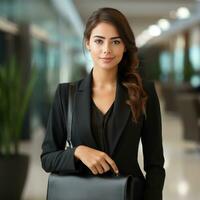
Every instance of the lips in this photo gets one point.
(107, 59)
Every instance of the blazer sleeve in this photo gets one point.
(152, 146)
(54, 157)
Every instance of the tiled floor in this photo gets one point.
(182, 164)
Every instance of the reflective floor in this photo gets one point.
(182, 164)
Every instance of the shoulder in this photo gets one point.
(152, 96)
(64, 86)
(149, 86)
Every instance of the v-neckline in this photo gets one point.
(104, 114)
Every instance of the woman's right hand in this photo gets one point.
(97, 161)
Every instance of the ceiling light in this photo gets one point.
(183, 13)
(143, 38)
(154, 30)
(164, 24)
(183, 188)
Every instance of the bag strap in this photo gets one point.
(71, 95)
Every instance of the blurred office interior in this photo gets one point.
(47, 36)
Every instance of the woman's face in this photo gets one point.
(105, 46)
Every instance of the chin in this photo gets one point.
(108, 67)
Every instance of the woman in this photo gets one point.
(113, 109)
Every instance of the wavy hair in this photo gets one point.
(128, 66)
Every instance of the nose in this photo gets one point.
(106, 49)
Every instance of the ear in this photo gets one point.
(87, 44)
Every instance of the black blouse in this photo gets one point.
(101, 126)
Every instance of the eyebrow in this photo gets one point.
(112, 38)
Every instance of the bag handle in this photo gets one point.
(71, 95)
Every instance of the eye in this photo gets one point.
(116, 42)
(98, 41)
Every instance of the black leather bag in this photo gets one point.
(76, 187)
(80, 187)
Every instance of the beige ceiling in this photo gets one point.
(140, 13)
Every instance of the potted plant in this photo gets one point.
(14, 101)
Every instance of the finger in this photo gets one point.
(112, 164)
(94, 170)
(105, 166)
(99, 169)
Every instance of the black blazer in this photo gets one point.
(126, 136)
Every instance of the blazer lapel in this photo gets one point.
(82, 114)
(121, 114)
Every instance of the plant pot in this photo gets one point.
(13, 173)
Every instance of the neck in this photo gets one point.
(104, 78)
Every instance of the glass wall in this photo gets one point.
(43, 40)
(194, 55)
(165, 60)
(178, 58)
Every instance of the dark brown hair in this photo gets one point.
(128, 66)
